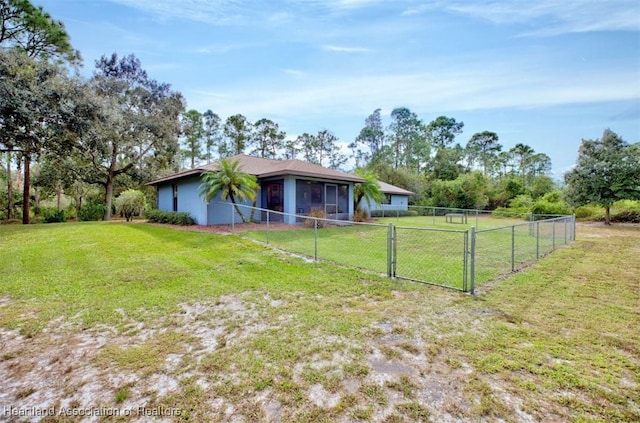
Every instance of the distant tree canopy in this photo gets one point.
(31, 30)
(607, 170)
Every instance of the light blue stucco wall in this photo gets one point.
(188, 198)
(397, 202)
(165, 197)
(219, 212)
(222, 212)
(289, 199)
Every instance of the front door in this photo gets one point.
(331, 200)
(275, 200)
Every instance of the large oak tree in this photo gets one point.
(140, 126)
(607, 170)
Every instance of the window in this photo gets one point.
(175, 198)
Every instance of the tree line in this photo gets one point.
(61, 134)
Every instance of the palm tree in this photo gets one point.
(231, 182)
(369, 189)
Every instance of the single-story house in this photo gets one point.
(292, 187)
(395, 198)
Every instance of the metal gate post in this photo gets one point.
(473, 259)
(553, 235)
(233, 218)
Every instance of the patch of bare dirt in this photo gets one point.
(63, 368)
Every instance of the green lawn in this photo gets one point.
(220, 328)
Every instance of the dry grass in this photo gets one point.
(297, 341)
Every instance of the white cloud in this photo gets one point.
(480, 87)
(556, 17)
(219, 12)
(344, 49)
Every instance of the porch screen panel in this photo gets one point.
(331, 202)
(343, 199)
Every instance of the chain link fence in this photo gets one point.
(460, 259)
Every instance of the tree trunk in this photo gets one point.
(58, 195)
(233, 200)
(108, 197)
(9, 188)
(25, 191)
(607, 215)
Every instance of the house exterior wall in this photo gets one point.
(289, 199)
(222, 212)
(189, 200)
(165, 197)
(397, 202)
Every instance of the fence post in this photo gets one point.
(530, 224)
(315, 239)
(389, 249)
(513, 248)
(267, 227)
(394, 244)
(233, 218)
(553, 235)
(476, 218)
(473, 260)
(573, 233)
(434, 216)
(465, 261)
(537, 240)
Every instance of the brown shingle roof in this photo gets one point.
(392, 189)
(263, 168)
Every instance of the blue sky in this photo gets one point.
(546, 73)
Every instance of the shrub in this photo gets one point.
(360, 215)
(521, 202)
(519, 213)
(130, 202)
(548, 207)
(315, 214)
(91, 211)
(393, 213)
(589, 212)
(625, 211)
(53, 215)
(172, 218)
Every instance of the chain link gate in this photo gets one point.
(433, 256)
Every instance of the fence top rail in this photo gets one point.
(461, 231)
(336, 222)
(555, 219)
